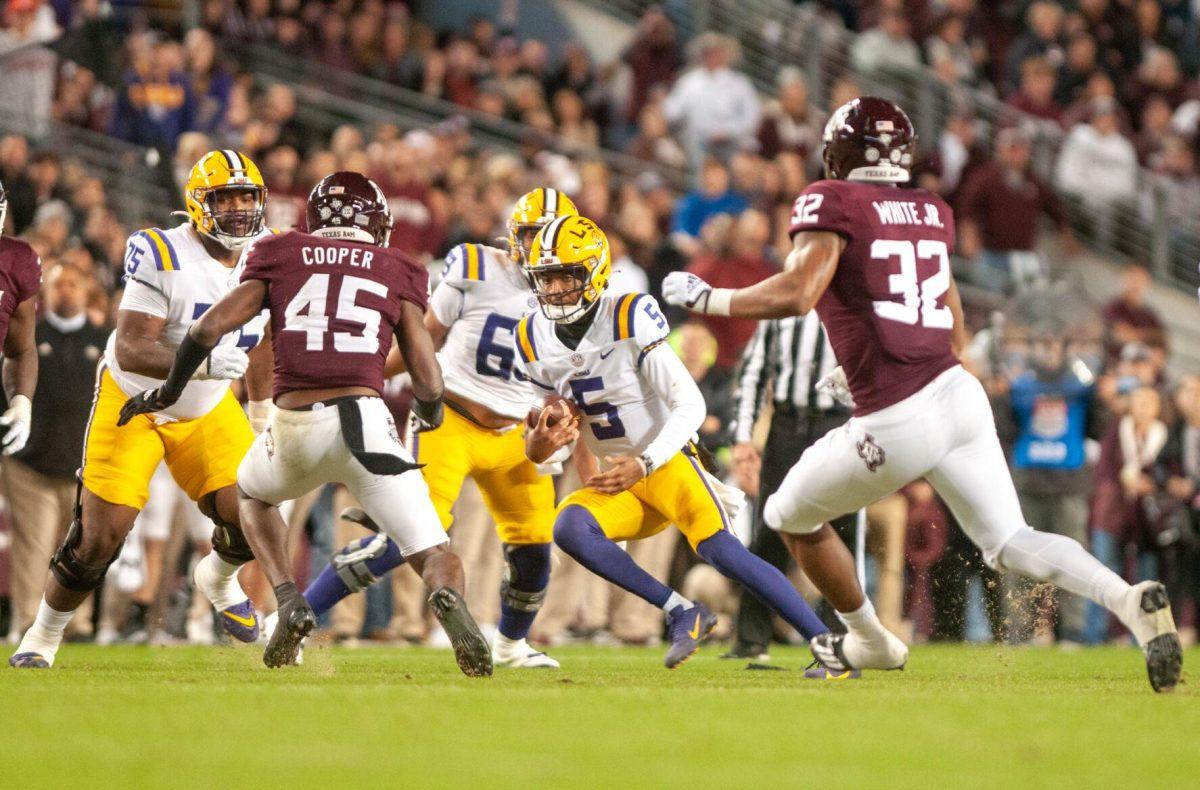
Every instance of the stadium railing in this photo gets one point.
(778, 33)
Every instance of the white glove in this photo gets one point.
(690, 291)
(15, 425)
(259, 412)
(223, 364)
(835, 385)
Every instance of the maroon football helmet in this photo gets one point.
(869, 139)
(348, 205)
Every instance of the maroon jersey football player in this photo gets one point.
(337, 296)
(20, 278)
(872, 257)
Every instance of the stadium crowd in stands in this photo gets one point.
(1116, 79)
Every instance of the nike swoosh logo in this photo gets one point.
(249, 622)
(695, 632)
(606, 355)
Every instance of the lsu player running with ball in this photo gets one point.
(607, 354)
(172, 277)
(471, 317)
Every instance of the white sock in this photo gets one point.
(863, 621)
(676, 600)
(46, 633)
(218, 581)
(503, 641)
(1047, 557)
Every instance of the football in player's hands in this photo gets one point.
(559, 408)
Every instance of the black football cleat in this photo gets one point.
(28, 661)
(296, 621)
(471, 650)
(1164, 652)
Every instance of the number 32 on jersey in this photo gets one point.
(920, 297)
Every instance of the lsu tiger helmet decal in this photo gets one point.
(568, 267)
(531, 213)
(222, 172)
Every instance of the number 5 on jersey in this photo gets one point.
(308, 313)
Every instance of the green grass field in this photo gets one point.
(959, 716)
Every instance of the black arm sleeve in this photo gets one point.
(188, 359)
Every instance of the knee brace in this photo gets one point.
(228, 541)
(526, 575)
(71, 571)
(363, 561)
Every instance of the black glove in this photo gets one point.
(145, 403)
(428, 413)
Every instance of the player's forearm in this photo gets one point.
(260, 373)
(670, 380)
(20, 373)
(144, 356)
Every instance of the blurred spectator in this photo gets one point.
(653, 58)
(1129, 449)
(733, 256)
(697, 348)
(950, 53)
(627, 275)
(959, 154)
(998, 211)
(29, 70)
(1036, 94)
(654, 142)
(787, 123)
(155, 105)
(1154, 129)
(211, 83)
(1128, 318)
(925, 538)
(39, 482)
(1177, 477)
(19, 188)
(1097, 164)
(887, 47)
(714, 106)
(713, 196)
(1081, 63)
(1041, 40)
(1050, 416)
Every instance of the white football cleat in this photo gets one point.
(844, 652)
(519, 654)
(268, 627)
(1146, 612)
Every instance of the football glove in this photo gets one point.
(15, 425)
(145, 403)
(686, 290)
(223, 364)
(427, 414)
(835, 385)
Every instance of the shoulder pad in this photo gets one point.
(466, 262)
(155, 243)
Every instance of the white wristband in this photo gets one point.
(719, 300)
(22, 406)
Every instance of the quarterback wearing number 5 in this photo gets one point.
(642, 409)
(872, 257)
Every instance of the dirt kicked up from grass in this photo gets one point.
(958, 716)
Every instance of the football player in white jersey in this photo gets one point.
(472, 314)
(171, 277)
(607, 355)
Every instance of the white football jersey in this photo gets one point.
(169, 274)
(623, 414)
(481, 298)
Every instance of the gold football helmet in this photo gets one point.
(568, 267)
(218, 171)
(534, 210)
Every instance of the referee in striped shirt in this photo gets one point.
(785, 359)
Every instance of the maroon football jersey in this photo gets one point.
(20, 278)
(334, 305)
(885, 309)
